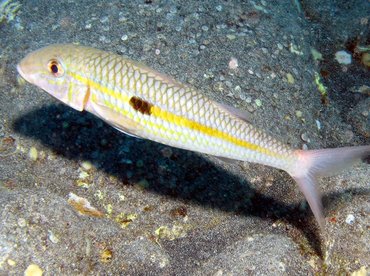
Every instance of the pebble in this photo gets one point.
(228, 83)
(173, 10)
(258, 102)
(218, 86)
(11, 262)
(350, 219)
(192, 41)
(53, 238)
(251, 109)
(348, 135)
(86, 165)
(343, 57)
(33, 270)
(33, 154)
(21, 222)
(238, 90)
(282, 266)
(104, 39)
(290, 78)
(305, 137)
(219, 272)
(250, 71)
(231, 36)
(122, 18)
(104, 19)
(242, 96)
(219, 8)
(298, 113)
(106, 256)
(316, 54)
(233, 63)
(83, 175)
(366, 59)
(124, 37)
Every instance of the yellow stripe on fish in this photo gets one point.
(145, 103)
(172, 118)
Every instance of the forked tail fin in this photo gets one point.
(315, 163)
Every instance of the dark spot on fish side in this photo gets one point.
(141, 105)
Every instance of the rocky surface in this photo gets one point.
(78, 197)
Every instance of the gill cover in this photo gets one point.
(54, 69)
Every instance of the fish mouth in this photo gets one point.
(26, 76)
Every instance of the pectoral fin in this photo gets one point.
(115, 119)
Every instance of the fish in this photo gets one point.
(141, 102)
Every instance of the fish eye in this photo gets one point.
(55, 68)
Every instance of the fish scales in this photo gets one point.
(142, 102)
(180, 116)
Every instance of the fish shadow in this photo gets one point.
(171, 172)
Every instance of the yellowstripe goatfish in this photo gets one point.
(144, 103)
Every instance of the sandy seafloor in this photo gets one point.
(164, 211)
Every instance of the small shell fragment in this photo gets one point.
(83, 206)
(343, 57)
(233, 63)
